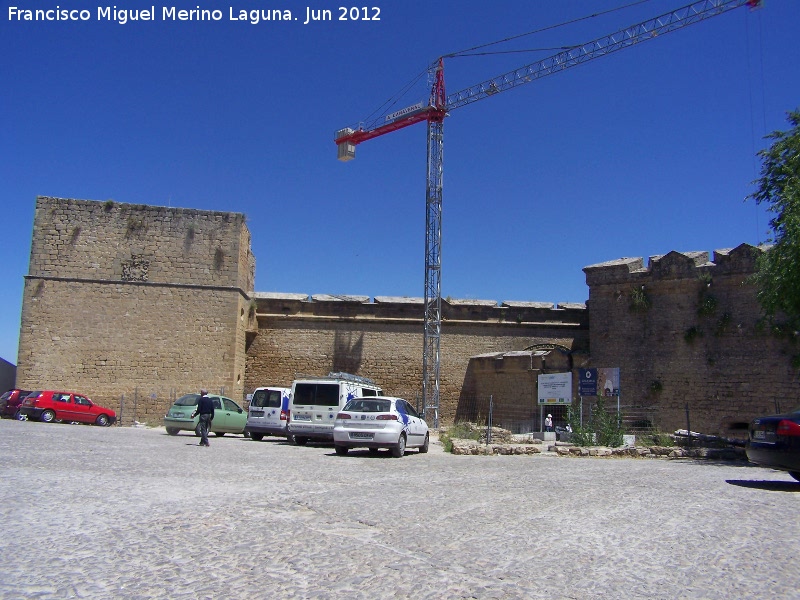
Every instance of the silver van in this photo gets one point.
(268, 413)
(315, 402)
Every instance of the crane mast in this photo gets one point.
(438, 107)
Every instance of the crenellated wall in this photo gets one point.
(686, 332)
(152, 302)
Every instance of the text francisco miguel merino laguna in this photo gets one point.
(172, 13)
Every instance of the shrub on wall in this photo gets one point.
(639, 300)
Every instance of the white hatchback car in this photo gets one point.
(380, 422)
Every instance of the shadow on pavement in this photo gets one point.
(772, 486)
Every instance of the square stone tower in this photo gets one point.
(134, 305)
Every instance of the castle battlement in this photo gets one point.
(408, 307)
(674, 265)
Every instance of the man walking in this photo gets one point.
(205, 408)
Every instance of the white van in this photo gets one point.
(268, 413)
(315, 402)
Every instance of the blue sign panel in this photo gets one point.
(587, 382)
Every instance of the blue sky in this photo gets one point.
(638, 153)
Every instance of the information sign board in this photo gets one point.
(555, 388)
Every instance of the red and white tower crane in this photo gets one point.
(440, 105)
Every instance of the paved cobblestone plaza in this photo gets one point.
(89, 512)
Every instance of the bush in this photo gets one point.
(603, 429)
(656, 438)
(459, 431)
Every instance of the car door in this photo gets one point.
(219, 423)
(63, 406)
(272, 409)
(83, 409)
(416, 426)
(235, 417)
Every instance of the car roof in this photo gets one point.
(394, 398)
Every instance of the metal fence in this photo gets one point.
(521, 417)
(149, 406)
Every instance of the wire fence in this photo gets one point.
(527, 416)
(150, 406)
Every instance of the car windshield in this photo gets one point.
(187, 400)
(363, 405)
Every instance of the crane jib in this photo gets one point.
(625, 38)
(603, 46)
(356, 136)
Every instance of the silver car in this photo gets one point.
(380, 422)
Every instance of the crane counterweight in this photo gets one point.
(345, 149)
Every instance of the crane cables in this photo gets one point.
(380, 113)
(471, 51)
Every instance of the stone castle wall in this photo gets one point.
(136, 301)
(148, 303)
(382, 339)
(687, 331)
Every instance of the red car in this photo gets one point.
(10, 401)
(49, 406)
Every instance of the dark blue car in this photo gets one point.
(774, 441)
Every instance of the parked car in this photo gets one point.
(268, 413)
(49, 406)
(774, 441)
(229, 417)
(10, 401)
(380, 422)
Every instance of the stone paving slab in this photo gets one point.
(89, 512)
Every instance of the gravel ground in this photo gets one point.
(89, 512)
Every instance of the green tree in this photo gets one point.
(778, 270)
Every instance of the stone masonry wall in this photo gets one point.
(382, 340)
(687, 331)
(112, 241)
(510, 381)
(141, 301)
(148, 303)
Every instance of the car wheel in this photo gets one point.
(19, 416)
(172, 431)
(795, 474)
(102, 420)
(219, 433)
(300, 441)
(424, 448)
(48, 416)
(256, 437)
(400, 448)
(341, 450)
